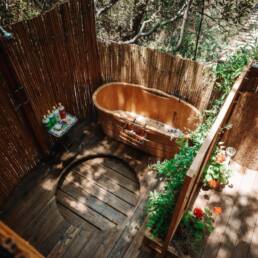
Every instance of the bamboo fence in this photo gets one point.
(184, 78)
(18, 154)
(57, 58)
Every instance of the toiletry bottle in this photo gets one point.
(56, 113)
(62, 111)
(52, 118)
(46, 122)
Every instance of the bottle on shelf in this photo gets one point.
(52, 118)
(46, 122)
(55, 111)
(62, 111)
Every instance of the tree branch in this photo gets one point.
(199, 30)
(217, 20)
(143, 33)
(100, 11)
(182, 31)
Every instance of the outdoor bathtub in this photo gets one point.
(145, 118)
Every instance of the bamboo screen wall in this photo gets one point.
(184, 78)
(18, 154)
(55, 56)
(57, 59)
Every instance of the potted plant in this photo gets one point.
(217, 174)
(195, 226)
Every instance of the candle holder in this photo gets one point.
(230, 153)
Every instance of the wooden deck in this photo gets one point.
(236, 230)
(87, 202)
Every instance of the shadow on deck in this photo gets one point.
(88, 201)
(236, 230)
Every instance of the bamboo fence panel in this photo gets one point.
(174, 75)
(56, 60)
(55, 57)
(18, 154)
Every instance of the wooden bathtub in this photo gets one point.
(148, 119)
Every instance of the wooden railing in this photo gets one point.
(194, 174)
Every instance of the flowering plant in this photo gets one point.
(220, 157)
(217, 210)
(193, 229)
(198, 213)
(216, 174)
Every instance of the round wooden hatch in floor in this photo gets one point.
(101, 192)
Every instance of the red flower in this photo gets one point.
(198, 213)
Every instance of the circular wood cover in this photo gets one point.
(100, 192)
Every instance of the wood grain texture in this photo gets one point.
(94, 202)
(119, 104)
(65, 216)
(235, 228)
(26, 249)
(65, 227)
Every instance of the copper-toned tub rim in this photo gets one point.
(152, 91)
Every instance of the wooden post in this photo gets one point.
(20, 97)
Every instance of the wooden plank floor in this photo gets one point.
(236, 229)
(87, 202)
(83, 193)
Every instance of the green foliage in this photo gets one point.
(218, 172)
(210, 46)
(228, 72)
(233, 11)
(18, 10)
(192, 231)
(216, 169)
(161, 204)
